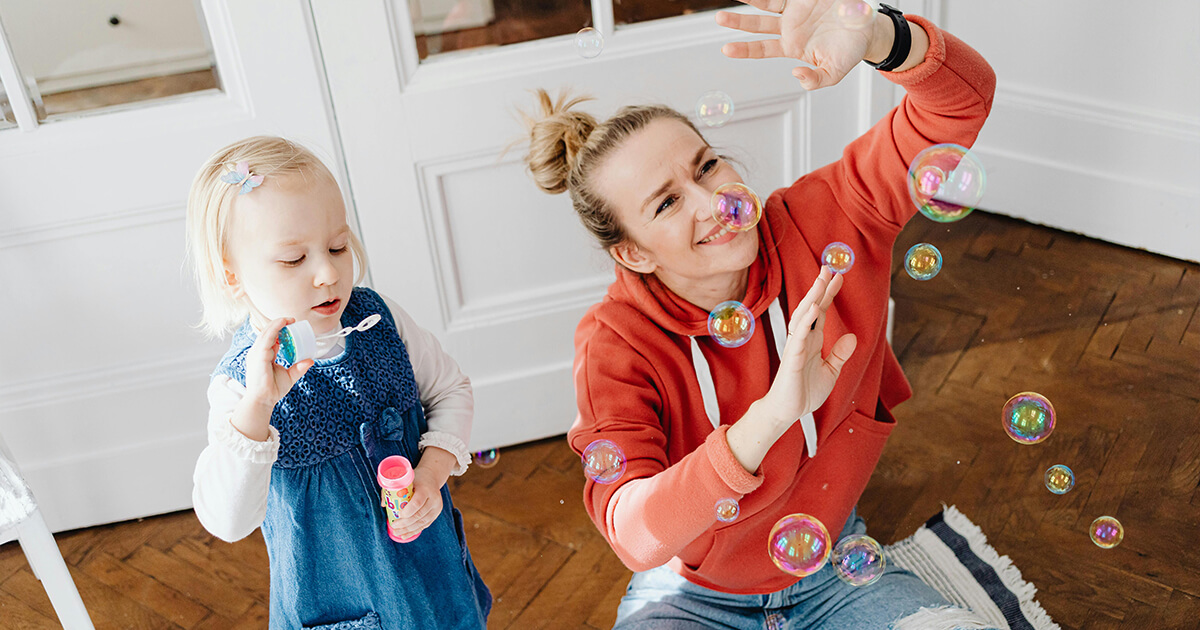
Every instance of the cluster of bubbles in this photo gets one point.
(923, 261)
(731, 324)
(589, 42)
(799, 544)
(838, 256)
(486, 459)
(1059, 479)
(858, 560)
(603, 461)
(714, 108)
(1028, 417)
(736, 207)
(728, 510)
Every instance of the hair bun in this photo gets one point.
(556, 135)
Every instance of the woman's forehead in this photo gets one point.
(648, 157)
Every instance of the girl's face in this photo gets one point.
(660, 183)
(289, 251)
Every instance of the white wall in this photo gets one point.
(1096, 123)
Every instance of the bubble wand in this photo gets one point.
(298, 342)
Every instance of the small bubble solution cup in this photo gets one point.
(395, 475)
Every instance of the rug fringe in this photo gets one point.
(1009, 574)
(942, 618)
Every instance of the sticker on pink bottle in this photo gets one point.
(395, 475)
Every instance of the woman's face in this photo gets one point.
(660, 183)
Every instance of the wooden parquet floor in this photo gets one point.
(1110, 335)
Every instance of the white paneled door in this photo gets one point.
(102, 379)
(457, 232)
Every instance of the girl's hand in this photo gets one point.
(266, 381)
(426, 504)
(808, 30)
(805, 379)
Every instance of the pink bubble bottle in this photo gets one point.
(395, 475)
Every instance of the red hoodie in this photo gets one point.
(637, 386)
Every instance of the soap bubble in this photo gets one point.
(714, 108)
(1028, 417)
(798, 544)
(603, 461)
(731, 324)
(589, 42)
(486, 459)
(946, 181)
(1106, 532)
(858, 560)
(728, 510)
(838, 256)
(735, 207)
(854, 14)
(923, 261)
(1060, 479)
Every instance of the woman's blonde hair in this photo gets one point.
(211, 205)
(566, 146)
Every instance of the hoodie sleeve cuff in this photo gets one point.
(934, 57)
(727, 466)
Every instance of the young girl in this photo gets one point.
(795, 419)
(294, 448)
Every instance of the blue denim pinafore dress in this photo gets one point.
(333, 566)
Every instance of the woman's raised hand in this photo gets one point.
(805, 379)
(808, 30)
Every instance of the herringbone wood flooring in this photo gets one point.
(1110, 335)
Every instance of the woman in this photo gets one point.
(795, 419)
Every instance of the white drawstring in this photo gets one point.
(708, 390)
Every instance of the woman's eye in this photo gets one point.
(708, 166)
(665, 205)
(293, 263)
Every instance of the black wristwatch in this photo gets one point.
(901, 45)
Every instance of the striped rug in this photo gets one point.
(951, 554)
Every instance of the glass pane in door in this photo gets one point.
(81, 56)
(633, 11)
(444, 26)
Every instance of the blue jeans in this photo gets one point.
(661, 599)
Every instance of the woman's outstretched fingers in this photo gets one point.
(762, 24)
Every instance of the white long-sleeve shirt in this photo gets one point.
(233, 473)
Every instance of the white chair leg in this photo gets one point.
(891, 319)
(47, 563)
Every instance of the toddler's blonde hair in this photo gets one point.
(211, 203)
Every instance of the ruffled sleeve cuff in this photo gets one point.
(727, 466)
(450, 443)
(223, 434)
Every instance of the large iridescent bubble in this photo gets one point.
(858, 560)
(946, 182)
(731, 324)
(486, 459)
(736, 207)
(603, 461)
(1028, 417)
(589, 42)
(799, 544)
